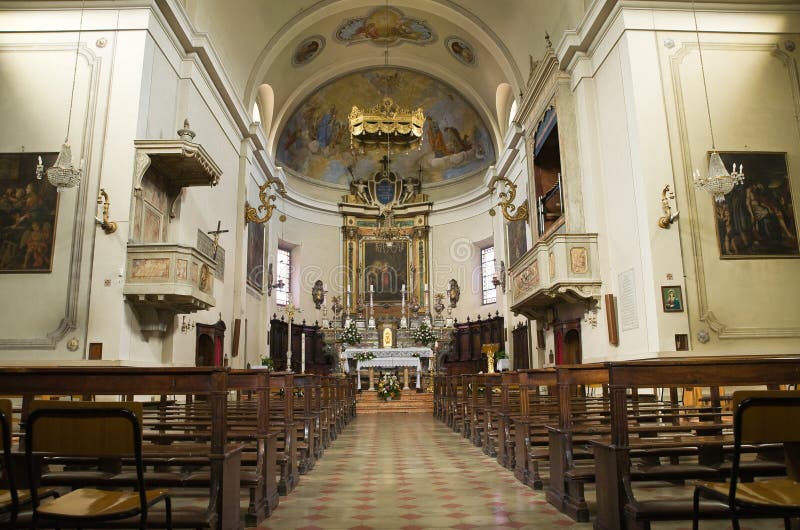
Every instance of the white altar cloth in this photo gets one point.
(351, 352)
(387, 362)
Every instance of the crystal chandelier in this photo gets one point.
(385, 121)
(719, 181)
(64, 174)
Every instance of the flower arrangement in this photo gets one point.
(388, 387)
(364, 356)
(424, 335)
(351, 335)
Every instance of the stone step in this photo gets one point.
(410, 401)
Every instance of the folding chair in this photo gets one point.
(761, 417)
(84, 431)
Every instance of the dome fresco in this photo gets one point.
(315, 141)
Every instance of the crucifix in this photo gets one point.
(215, 243)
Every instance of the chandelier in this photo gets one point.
(386, 121)
(388, 234)
(718, 182)
(64, 174)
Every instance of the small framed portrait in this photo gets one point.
(672, 298)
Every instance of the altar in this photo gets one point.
(387, 358)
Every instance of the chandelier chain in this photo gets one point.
(703, 73)
(75, 70)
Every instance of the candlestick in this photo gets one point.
(303, 353)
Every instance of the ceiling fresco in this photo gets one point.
(315, 141)
(462, 51)
(307, 50)
(384, 27)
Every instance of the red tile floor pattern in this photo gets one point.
(411, 472)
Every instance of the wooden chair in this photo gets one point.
(85, 430)
(761, 417)
(9, 499)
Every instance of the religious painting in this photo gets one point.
(672, 298)
(461, 51)
(28, 213)
(517, 240)
(307, 50)
(255, 255)
(384, 26)
(315, 140)
(386, 269)
(757, 218)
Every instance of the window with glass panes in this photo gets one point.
(487, 275)
(284, 273)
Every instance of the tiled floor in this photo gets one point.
(409, 471)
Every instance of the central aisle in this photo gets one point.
(392, 471)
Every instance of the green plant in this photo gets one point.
(266, 360)
(500, 355)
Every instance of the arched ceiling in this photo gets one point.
(470, 45)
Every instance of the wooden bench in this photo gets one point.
(223, 460)
(707, 442)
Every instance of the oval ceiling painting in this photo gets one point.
(315, 141)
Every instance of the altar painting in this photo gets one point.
(28, 212)
(315, 140)
(386, 271)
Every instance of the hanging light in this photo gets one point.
(64, 174)
(369, 127)
(718, 181)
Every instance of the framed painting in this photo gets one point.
(517, 240)
(386, 269)
(757, 218)
(255, 256)
(28, 213)
(672, 298)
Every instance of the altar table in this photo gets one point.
(389, 358)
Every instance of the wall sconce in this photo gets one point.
(500, 278)
(187, 324)
(506, 200)
(109, 227)
(668, 218)
(267, 202)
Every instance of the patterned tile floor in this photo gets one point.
(410, 471)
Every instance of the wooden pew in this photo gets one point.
(565, 489)
(617, 504)
(533, 416)
(223, 459)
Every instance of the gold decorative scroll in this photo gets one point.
(267, 202)
(372, 125)
(506, 200)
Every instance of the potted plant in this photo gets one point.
(266, 362)
(503, 362)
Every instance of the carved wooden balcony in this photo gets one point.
(562, 268)
(164, 279)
